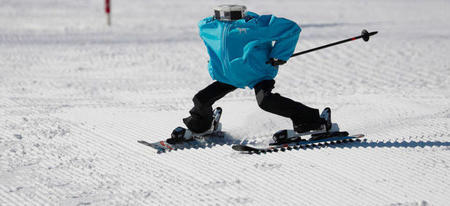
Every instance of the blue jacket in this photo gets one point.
(238, 50)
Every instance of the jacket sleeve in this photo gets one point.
(285, 33)
(208, 30)
(202, 23)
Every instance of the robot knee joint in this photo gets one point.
(198, 101)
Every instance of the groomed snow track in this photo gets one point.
(76, 95)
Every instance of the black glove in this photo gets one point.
(275, 62)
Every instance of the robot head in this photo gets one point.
(229, 12)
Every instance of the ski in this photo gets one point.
(216, 136)
(196, 142)
(317, 139)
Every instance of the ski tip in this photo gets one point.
(144, 142)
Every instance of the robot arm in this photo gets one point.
(285, 33)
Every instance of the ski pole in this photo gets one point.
(365, 35)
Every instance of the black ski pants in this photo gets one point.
(201, 114)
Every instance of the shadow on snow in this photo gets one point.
(363, 143)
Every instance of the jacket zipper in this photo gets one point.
(225, 61)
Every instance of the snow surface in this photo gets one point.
(76, 95)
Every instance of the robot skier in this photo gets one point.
(239, 45)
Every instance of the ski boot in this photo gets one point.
(323, 125)
(181, 134)
(217, 113)
(326, 115)
(326, 128)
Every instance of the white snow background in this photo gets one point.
(76, 95)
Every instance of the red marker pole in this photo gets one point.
(108, 11)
